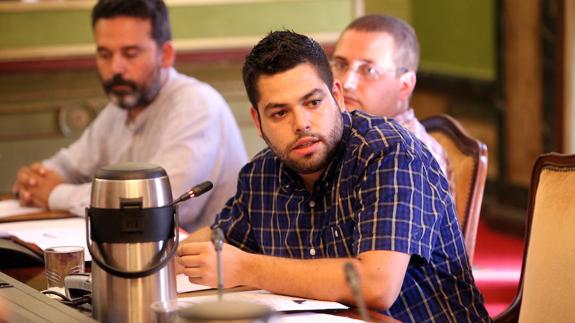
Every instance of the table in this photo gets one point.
(20, 303)
(44, 215)
(34, 276)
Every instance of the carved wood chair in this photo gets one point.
(546, 290)
(467, 158)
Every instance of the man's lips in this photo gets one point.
(306, 145)
(122, 88)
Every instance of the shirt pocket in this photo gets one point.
(338, 241)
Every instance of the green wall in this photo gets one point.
(55, 24)
(457, 38)
(42, 28)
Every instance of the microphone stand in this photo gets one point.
(220, 310)
(353, 280)
(218, 242)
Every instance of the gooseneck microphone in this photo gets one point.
(194, 192)
(218, 241)
(353, 280)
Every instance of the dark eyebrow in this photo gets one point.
(311, 93)
(274, 105)
(303, 98)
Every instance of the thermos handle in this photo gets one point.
(141, 273)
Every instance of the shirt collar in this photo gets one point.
(405, 117)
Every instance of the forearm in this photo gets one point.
(381, 272)
(318, 279)
(323, 279)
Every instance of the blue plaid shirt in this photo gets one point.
(383, 190)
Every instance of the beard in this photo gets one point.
(136, 95)
(314, 162)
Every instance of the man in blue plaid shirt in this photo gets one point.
(336, 187)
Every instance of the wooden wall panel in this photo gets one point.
(523, 88)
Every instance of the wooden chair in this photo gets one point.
(546, 290)
(467, 158)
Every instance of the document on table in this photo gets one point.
(184, 285)
(12, 208)
(50, 233)
(280, 303)
(316, 318)
(53, 232)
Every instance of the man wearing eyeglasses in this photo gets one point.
(375, 59)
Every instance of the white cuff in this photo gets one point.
(70, 197)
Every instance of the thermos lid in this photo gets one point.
(127, 171)
(117, 184)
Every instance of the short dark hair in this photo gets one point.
(278, 52)
(407, 47)
(155, 10)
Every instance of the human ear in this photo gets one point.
(408, 80)
(256, 119)
(337, 93)
(168, 54)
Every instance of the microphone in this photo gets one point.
(194, 192)
(353, 281)
(218, 242)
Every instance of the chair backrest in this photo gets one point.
(467, 159)
(546, 290)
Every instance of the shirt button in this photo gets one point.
(336, 234)
(311, 203)
(312, 251)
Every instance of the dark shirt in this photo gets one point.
(383, 190)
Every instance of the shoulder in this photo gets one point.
(192, 92)
(197, 100)
(265, 160)
(384, 141)
(379, 134)
(264, 165)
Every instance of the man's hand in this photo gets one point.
(199, 262)
(34, 184)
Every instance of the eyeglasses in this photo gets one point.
(364, 70)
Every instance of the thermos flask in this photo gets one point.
(132, 233)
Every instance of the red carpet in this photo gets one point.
(497, 267)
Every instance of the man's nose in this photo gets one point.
(302, 122)
(118, 64)
(349, 79)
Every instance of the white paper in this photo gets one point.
(316, 318)
(12, 208)
(51, 233)
(183, 285)
(279, 303)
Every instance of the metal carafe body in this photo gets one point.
(132, 236)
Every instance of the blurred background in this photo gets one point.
(502, 68)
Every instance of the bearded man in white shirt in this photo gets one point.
(155, 115)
